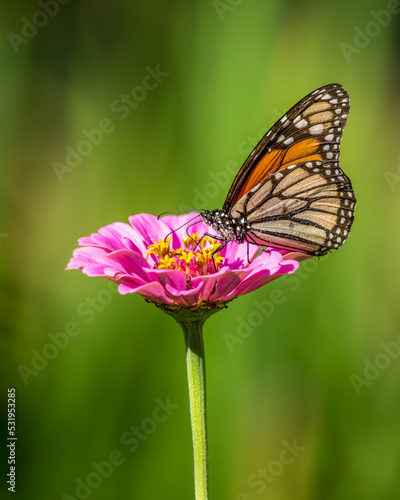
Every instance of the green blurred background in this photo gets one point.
(306, 372)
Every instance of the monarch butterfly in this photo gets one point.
(290, 193)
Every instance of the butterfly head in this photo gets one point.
(229, 228)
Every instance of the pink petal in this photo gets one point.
(151, 291)
(227, 282)
(238, 256)
(175, 278)
(130, 263)
(175, 221)
(298, 256)
(185, 298)
(149, 227)
(259, 278)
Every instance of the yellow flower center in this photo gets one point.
(196, 257)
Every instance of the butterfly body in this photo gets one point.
(291, 193)
(228, 227)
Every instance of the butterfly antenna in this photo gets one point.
(184, 224)
(189, 236)
(180, 212)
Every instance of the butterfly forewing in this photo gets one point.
(310, 131)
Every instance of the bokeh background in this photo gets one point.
(320, 371)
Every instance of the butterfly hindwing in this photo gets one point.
(310, 131)
(307, 206)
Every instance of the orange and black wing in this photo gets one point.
(310, 131)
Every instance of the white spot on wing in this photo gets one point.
(302, 123)
(316, 129)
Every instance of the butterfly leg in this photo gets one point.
(218, 250)
(248, 253)
(263, 249)
(215, 237)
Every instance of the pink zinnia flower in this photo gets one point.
(190, 277)
(160, 261)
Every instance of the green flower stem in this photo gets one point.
(196, 369)
(191, 322)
